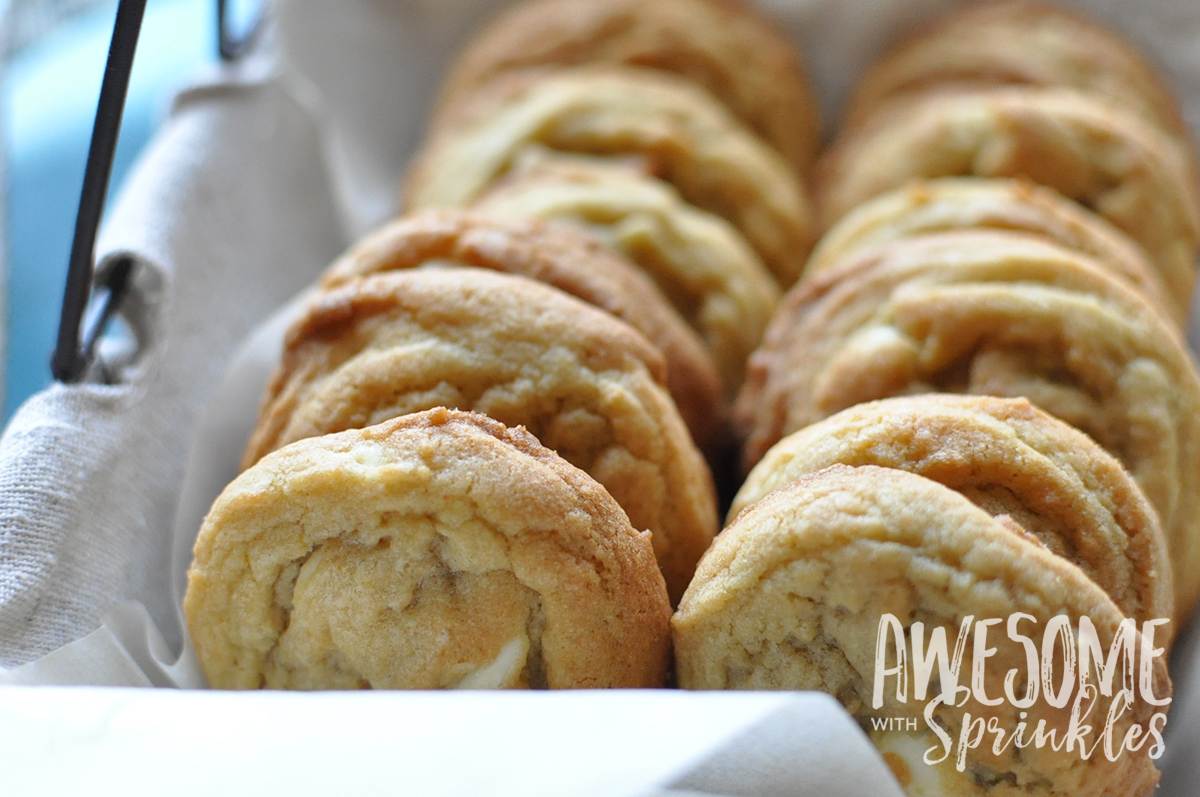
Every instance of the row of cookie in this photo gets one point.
(377, 539)
(365, 527)
(678, 132)
(531, 324)
(972, 284)
(560, 111)
(936, 510)
(993, 313)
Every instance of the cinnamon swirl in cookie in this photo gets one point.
(999, 314)
(586, 384)
(804, 587)
(720, 46)
(437, 550)
(1105, 158)
(569, 261)
(698, 260)
(1048, 481)
(678, 130)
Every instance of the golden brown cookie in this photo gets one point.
(569, 261)
(437, 550)
(958, 203)
(682, 133)
(1105, 158)
(793, 595)
(700, 262)
(999, 314)
(725, 47)
(1024, 43)
(583, 382)
(1046, 480)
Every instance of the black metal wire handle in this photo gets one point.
(74, 353)
(229, 44)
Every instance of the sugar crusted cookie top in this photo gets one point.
(435, 550)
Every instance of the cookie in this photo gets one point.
(1016, 42)
(794, 593)
(438, 550)
(681, 133)
(569, 261)
(698, 260)
(584, 383)
(992, 313)
(1048, 481)
(723, 47)
(1102, 157)
(959, 203)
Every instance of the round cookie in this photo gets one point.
(569, 261)
(793, 595)
(1048, 481)
(1105, 158)
(586, 384)
(1023, 43)
(682, 134)
(999, 314)
(699, 261)
(960, 203)
(437, 550)
(723, 47)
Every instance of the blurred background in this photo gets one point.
(53, 60)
